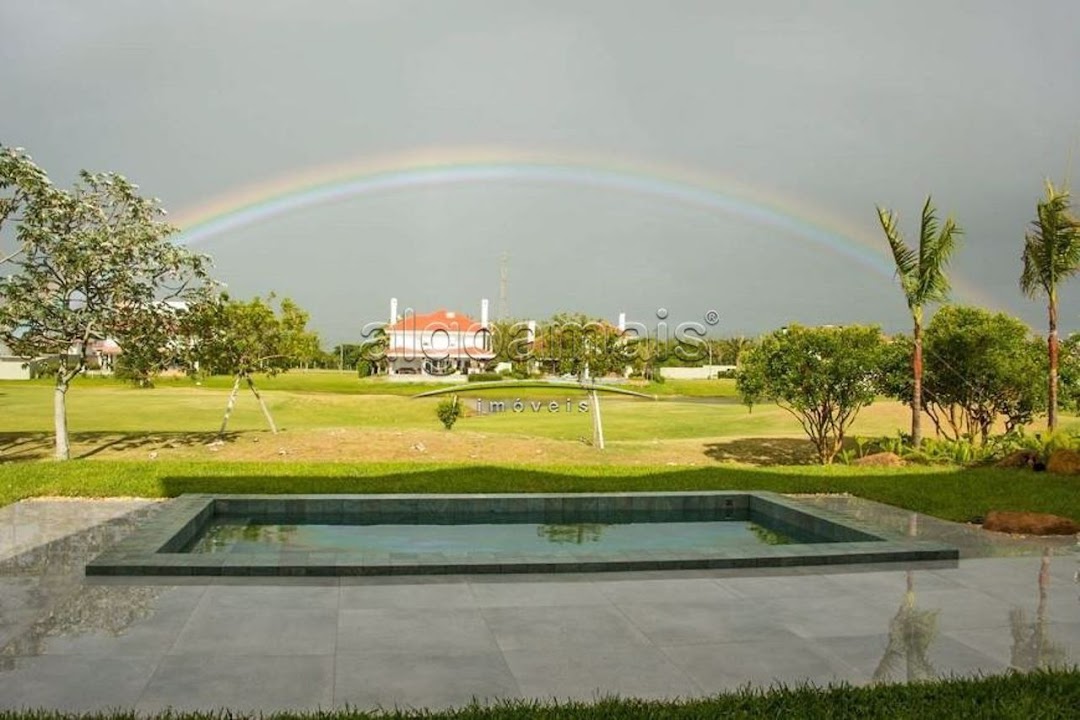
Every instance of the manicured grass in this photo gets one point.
(1035, 696)
(951, 494)
(96, 405)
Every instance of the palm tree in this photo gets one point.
(1051, 254)
(923, 280)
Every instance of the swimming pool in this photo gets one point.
(332, 535)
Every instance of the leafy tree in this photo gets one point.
(734, 347)
(93, 263)
(570, 343)
(1069, 372)
(822, 376)
(1051, 255)
(980, 367)
(232, 337)
(922, 278)
(24, 187)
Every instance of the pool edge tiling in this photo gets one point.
(156, 548)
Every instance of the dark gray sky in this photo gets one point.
(814, 110)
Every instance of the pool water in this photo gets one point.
(240, 535)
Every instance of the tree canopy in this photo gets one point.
(823, 376)
(91, 264)
(980, 367)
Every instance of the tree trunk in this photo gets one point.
(266, 410)
(1052, 346)
(916, 395)
(229, 406)
(63, 446)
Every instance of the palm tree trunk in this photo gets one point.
(1052, 346)
(916, 394)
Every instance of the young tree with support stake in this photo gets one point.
(92, 263)
(923, 280)
(1051, 255)
(231, 337)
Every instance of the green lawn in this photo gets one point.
(948, 493)
(96, 405)
(633, 426)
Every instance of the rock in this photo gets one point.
(1064, 462)
(881, 459)
(1029, 523)
(1019, 459)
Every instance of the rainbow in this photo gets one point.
(365, 177)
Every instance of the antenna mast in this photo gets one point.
(504, 280)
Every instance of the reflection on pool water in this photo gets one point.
(240, 535)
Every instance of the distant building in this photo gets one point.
(444, 342)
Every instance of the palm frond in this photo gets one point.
(936, 254)
(1052, 245)
(907, 264)
(928, 230)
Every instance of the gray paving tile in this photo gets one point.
(962, 609)
(891, 582)
(419, 630)
(502, 593)
(668, 590)
(591, 672)
(678, 623)
(417, 595)
(946, 656)
(248, 684)
(1062, 646)
(272, 596)
(816, 617)
(387, 679)
(72, 684)
(716, 667)
(257, 631)
(568, 627)
(801, 585)
(133, 620)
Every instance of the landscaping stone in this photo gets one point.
(1029, 523)
(1064, 462)
(881, 459)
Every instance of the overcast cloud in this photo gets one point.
(828, 107)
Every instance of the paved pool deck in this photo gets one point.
(73, 643)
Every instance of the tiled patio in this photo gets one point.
(76, 644)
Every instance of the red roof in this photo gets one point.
(476, 353)
(447, 320)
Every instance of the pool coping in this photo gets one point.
(154, 548)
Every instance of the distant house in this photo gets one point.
(13, 367)
(444, 342)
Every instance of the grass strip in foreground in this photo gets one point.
(1042, 695)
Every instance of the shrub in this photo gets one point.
(449, 411)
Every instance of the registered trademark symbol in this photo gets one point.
(712, 317)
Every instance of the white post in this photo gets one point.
(598, 425)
